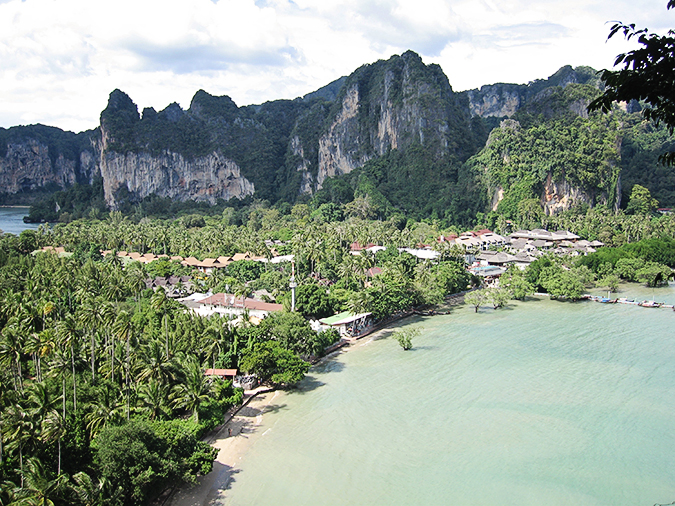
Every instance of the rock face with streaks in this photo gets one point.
(393, 105)
(205, 178)
(286, 148)
(37, 157)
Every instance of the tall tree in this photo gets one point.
(648, 75)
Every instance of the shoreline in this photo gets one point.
(245, 422)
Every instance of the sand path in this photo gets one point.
(211, 489)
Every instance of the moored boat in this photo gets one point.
(650, 303)
(624, 300)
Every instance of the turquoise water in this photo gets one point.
(11, 220)
(542, 403)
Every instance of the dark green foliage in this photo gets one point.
(651, 250)
(271, 362)
(580, 151)
(142, 457)
(78, 201)
(642, 144)
(648, 75)
(310, 301)
(245, 270)
(294, 333)
(164, 267)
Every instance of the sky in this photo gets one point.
(60, 59)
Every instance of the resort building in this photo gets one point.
(228, 304)
(349, 324)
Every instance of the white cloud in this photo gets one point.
(60, 60)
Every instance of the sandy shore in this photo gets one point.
(211, 489)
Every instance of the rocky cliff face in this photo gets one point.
(282, 149)
(393, 105)
(559, 196)
(496, 100)
(206, 178)
(27, 166)
(504, 100)
(36, 157)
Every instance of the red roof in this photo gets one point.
(229, 300)
(221, 372)
(484, 231)
(357, 247)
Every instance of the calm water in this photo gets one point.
(545, 403)
(11, 220)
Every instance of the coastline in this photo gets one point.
(245, 424)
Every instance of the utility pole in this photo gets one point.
(292, 285)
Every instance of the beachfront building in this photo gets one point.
(349, 324)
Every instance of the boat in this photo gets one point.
(606, 300)
(624, 300)
(650, 303)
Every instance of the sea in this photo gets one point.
(11, 220)
(539, 403)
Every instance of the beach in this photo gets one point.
(244, 427)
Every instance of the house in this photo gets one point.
(228, 304)
(349, 324)
(221, 373)
(495, 258)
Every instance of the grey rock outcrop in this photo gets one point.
(171, 175)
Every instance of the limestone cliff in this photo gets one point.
(561, 196)
(504, 100)
(393, 105)
(37, 157)
(206, 178)
(400, 116)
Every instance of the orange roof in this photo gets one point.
(220, 372)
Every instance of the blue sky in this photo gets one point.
(59, 59)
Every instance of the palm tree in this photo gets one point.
(155, 365)
(124, 329)
(11, 348)
(94, 494)
(60, 366)
(68, 331)
(106, 410)
(160, 302)
(152, 396)
(18, 429)
(194, 389)
(38, 487)
(92, 316)
(53, 428)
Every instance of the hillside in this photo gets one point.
(393, 133)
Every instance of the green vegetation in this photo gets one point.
(102, 385)
(404, 337)
(647, 75)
